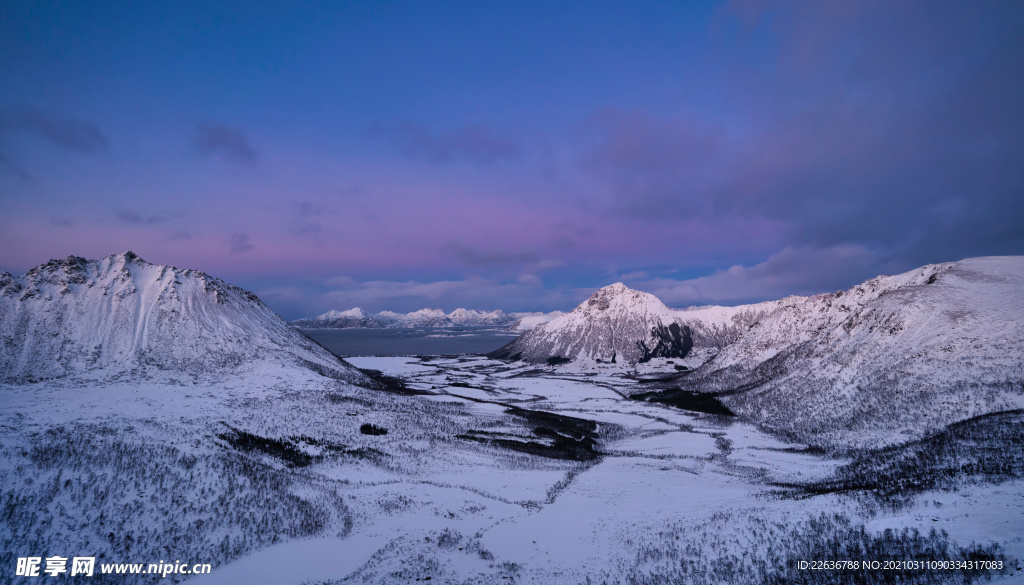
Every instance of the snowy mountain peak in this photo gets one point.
(122, 315)
(332, 315)
(618, 297)
(616, 323)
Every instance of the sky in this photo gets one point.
(513, 155)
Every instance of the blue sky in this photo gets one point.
(396, 155)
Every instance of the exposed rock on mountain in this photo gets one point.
(122, 315)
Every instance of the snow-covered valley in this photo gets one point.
(462, 488)
(294, 466)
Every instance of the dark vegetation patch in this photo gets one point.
(806, 450)
(773, 549)
(284, 450)
(657, 379)
(562, 448)
(557, 359)
(76, 487)
(836, 538)
(333, 373)
(706, 402)
(984, 449)
(571, 438)
(369, 429)
(570, 426)
(288, 449)
(465, 385)
(367, 453)
(531, 373)
(392, 384)
(339, 398)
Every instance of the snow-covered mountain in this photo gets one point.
(421, 318)
(884, 361)
(631, 326)
(616, 324)
(357, 318)
(350, 318)
(124, 315)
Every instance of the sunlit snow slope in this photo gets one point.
(124, 315)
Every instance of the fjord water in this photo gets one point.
(410, 341)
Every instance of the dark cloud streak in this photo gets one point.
(239, 243)
(229, 142)
(306, 215)
(135, 218)
(72, 134)
(477, 257)
(478, 144)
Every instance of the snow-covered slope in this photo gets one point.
(532, 320)
(357, 318)
(885, 361)
(715, 327)
(124, 315)
(615, 324)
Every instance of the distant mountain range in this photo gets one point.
(122, 316)
(357, 318)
